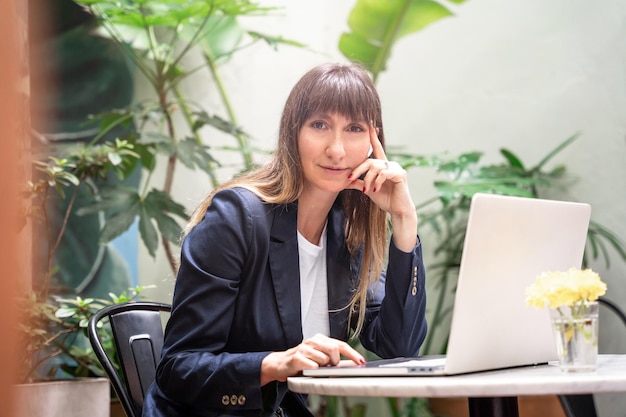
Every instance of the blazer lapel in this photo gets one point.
(285, 269)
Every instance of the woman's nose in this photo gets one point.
(335, 147)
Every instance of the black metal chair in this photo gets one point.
(583, 405)
(137, 330)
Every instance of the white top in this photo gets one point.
(313, 289)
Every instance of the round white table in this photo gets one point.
(491, 393)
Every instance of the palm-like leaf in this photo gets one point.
(375, 26)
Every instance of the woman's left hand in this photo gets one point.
(385, 183)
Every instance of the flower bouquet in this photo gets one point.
(572, 297)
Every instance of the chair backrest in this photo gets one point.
(137, 329)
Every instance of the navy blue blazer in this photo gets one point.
(237, 298)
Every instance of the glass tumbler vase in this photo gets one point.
(576, 336)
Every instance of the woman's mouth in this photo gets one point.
(334, 170)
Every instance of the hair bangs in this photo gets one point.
(345, 93)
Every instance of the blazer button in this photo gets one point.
(241, 400)
(225, 400)
(233, 399)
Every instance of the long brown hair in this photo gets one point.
(348, 90)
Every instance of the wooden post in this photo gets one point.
(15, 245)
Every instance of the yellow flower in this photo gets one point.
(565, 288)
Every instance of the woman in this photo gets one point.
(280, 265)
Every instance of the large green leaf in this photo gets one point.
(194, 155)
(120, 222)
(556, 151)
(375, 26)
(148, 232)
(512, 158)
(112, 199)
(157, 207)
(162, 201)
(596, 244)
(122, 204)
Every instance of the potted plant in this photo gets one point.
(57, 362)
(56, 358)
(55, 339)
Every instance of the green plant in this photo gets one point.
(54, 333)
(72, 173)
(54, 319)
(446, 215)
(375, 26)
(161, 38)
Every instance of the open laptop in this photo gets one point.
(508, 242)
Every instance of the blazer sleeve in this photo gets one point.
(395, 324)
(196, 372)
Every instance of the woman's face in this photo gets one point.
(331, 146)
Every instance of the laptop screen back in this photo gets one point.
(508, 242)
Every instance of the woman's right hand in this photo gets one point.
(314, 352)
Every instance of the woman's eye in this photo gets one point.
(356, 128)
(317, 125)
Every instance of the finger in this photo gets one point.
(334, 348)
(369, 180)
(305, 362)
(379, 151)
(315, 353)
(350, 353)
(324, 350)
(378, 183)
(381, 171)
(358, 177)
(348, 362)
